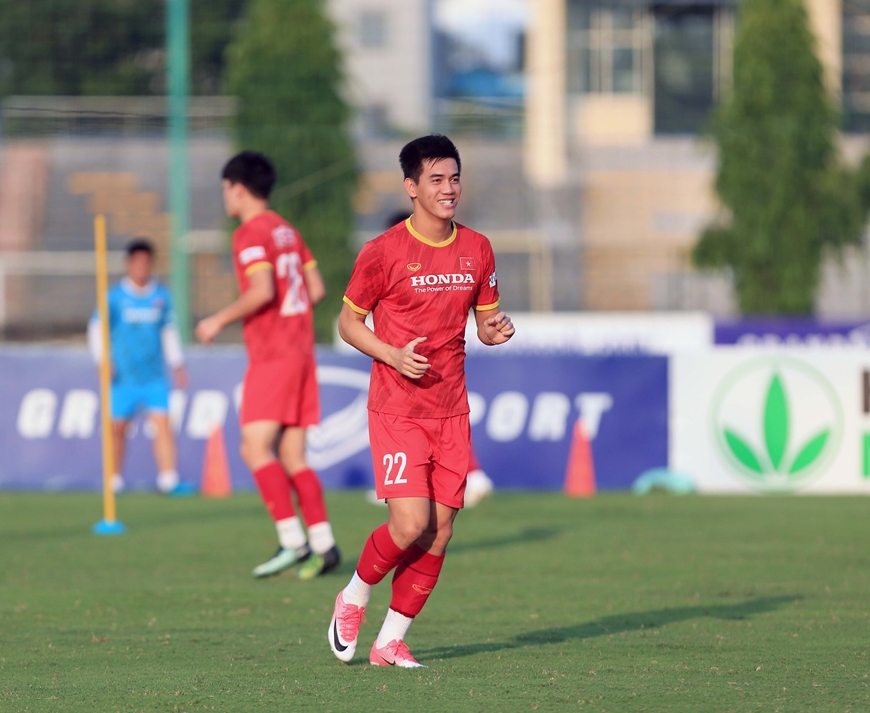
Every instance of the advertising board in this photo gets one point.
(772, 421)
(523, 409)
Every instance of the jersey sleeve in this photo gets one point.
(487, 294)
(367, 281)
(252, 251)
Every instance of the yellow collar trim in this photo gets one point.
(426, 241)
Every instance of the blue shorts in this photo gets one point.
(127, 399)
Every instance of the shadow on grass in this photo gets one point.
(615, 624)
(532, 534)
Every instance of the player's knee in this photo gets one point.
(293, 465)
(407, 531)
(254, 453)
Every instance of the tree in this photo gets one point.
(106, 47)
(787, 199)
(285, 69)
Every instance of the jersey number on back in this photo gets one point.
(289, 267)
(401, 460)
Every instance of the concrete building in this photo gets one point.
(618, 91)
(387, 46)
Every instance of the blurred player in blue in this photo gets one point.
(144, 341)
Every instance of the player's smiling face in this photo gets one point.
(438, 190)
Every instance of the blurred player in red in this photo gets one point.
(278, 283)
(420, 279)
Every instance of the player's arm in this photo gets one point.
(493, 327)
(260, 292)
(353, 329)
(170, 342)
(314, 283)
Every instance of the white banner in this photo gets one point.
(776, 421)
(659, 333)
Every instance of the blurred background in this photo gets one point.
(661, 180)
(584, 126)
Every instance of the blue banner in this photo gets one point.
(523, 412)
(792, 331)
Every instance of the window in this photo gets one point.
(693, 51)
(606, 48)
(856, 65)
(373, 30)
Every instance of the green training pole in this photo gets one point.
(177, 79)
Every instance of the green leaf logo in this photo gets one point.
(808, 454)
(743, 451)
(772, 458)
(776, 421)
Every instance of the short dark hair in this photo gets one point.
(426, 149)
(140, 245)
(253, 170)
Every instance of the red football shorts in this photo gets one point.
(420, 457)
(282, 390)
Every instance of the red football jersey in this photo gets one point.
(285, 326)
(417, 288)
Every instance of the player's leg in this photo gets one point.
(400, 455)
(309, 491)
(259, 439)
(264, 397)
(156, 396)
(119, 444)
(384, 549)
(124, 401)
(413, 581)
(417, 574)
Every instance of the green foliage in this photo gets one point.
(787, 197)
(106, 47)
(285, 69)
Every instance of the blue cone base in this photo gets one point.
(104, 527)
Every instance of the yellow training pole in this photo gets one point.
(109, 525)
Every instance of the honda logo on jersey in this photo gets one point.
(466, 263)
(453, 278)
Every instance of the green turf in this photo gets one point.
(614, 604)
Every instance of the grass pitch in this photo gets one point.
(613, 604)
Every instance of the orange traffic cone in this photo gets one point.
(580, 473)
(215, 468)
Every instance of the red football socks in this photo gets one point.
(310, 494)
(274, 488)
(379, 556)
(414, 580)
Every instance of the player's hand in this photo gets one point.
(182, 378)
(410, 364)
(498, 328)
(208, 329)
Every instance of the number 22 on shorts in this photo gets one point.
(399, 460)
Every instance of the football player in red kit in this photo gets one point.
(278, 284)
(420, 279)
